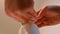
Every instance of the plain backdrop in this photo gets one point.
(11, 26)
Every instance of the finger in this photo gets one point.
(42, 12)
(25, 15)
(22, 16)
(18, 13)
(32, 14)
(38, 11)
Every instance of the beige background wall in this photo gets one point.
(11, 26)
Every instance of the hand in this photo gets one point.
(25, 16)
(40, 22)
(46, 18)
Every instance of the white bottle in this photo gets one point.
(22, 30)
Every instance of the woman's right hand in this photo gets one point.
(21, 16)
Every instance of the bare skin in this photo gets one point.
(37, 17)
(25, 15)
(48, 18)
